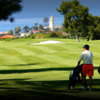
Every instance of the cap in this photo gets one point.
(86, 46)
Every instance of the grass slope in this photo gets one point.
(40, 71)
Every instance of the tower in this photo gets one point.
(51, 23)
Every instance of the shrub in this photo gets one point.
(32, 36)
(59, 34)
(8, 39)
(38, 36)
(52, 34)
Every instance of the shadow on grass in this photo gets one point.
(29, 64)
(22, 89)
(37, 70)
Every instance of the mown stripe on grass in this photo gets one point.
(47, 58)
(9, 51)
(57, 47)
(35, 50)
(24, 51)
(46, 49)
(56, 59)
(30, 56)
(10, 60)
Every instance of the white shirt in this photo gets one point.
(87, 57)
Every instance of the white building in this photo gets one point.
(58, 26)
(23, 35)
(51, 23)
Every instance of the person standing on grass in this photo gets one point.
(87, 68)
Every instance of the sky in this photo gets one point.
(34, 11)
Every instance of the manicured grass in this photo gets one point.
(42, 70)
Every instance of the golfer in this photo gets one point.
(87, 68)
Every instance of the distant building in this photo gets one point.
(3, 33)
(24, 35)
(58, 26)
(7, 36)
(51, 23)
(45, 27)
(52, 26)
(35, 31)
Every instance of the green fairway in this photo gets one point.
(42, 70)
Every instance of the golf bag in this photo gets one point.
(75, 77)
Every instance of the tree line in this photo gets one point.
(78, 22)
(26, 28)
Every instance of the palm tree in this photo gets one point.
(45, 20)
(35, 24)
(26, 28)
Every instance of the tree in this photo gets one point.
(40, 27)
(45, 20)
(94, 27)
(30, 33)
(36, 24)
(52, 34)
(35, 27)
(26, 28)
(8, 7)
(17, 29)
(30, 28)
(75, 18)
(10, 32)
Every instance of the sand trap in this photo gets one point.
(48, 42)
